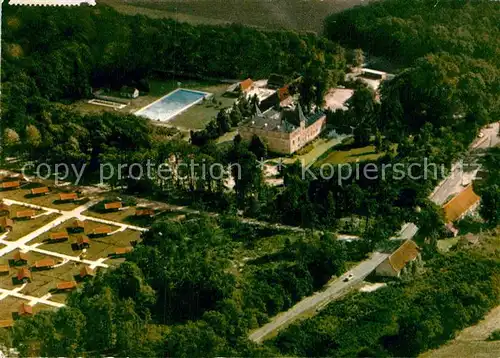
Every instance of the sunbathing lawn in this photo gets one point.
(24, 227)
(350, 156)
(49, 200)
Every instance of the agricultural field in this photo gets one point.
(301, 15)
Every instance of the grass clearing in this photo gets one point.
(351, 156)
(50, 200)
(321, 146)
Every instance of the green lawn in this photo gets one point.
(321, 146)
(352, 155)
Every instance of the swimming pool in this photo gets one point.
(171, 105)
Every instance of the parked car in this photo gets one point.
(349, 277)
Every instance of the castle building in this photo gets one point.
(284, 131)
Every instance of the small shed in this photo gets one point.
(66, 286)
(20, 258)
(115, 205)
(68, 196)
(6, 224)
(144, 212)
(45, 264)
(58, 236)
(82, 242)
(25, 310)
(86, 272)
(26, 214)
(101, 231)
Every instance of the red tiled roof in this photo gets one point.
(113, 205)
(6, 222)
(68, 196)
(101, 230)
(4, 268)
(460, 204)
(5, 323)
(10, 184)
(25, 309)
(123, 250)
(82, 240)
(23, 273)
(78, 224)
(41, 190)
(25, 213)
(68, 285)
(404, 254)
(246, 84)
(59, 235)
(20, 256)
(144, 212)
(45, 263)
(86, 271)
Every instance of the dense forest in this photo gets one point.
(404, 30)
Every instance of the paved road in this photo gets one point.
(332, 291)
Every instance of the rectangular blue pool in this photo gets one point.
(171, 105)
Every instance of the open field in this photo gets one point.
(320, 146)
(301, 15)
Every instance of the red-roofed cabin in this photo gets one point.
(115, 205)
(4, 269)
(40, 191)
(144, 212)
(120, 251)
(24, 275)
(4, 209)
(101, 231)
(68, 196)
(82, 242)
(246, 85)
(66, 286)
(10, 185)
(6, 224)
(86, 272)
(78, 226)
(25, 214)
(20, 258)
(58, 236)
(45, 264)
(25, 310)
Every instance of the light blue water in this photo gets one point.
(172, 104)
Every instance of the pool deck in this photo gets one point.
(138, 112)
